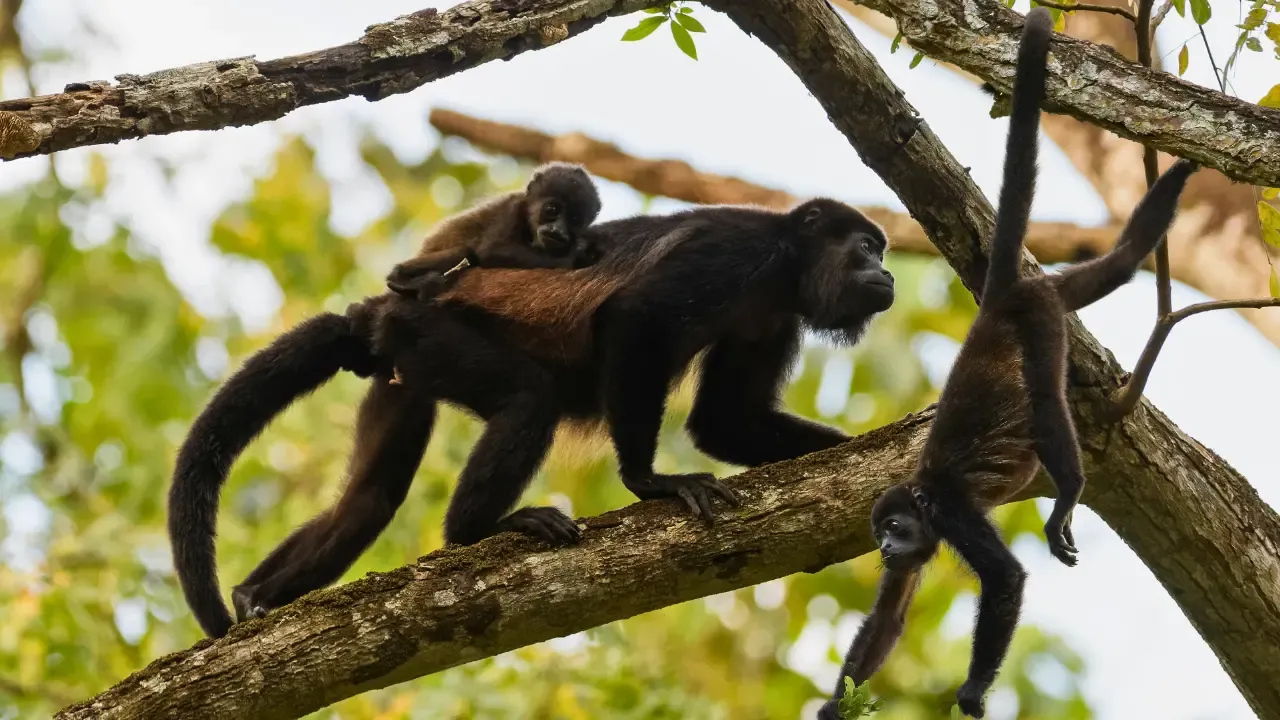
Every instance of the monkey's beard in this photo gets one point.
(838, 308)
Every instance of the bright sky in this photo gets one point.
(738, 110)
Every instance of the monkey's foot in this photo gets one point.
(395, 377)
(422, 287)
(543, 523)
(696, 489)
(246, 607)
(969, 698)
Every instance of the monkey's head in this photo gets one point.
(900, 524)
(561, 202)
(843, 280)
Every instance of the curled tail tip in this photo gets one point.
(1039, 21)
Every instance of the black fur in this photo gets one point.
(737, 282)
(1003, 411)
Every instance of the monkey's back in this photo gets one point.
(981, 436)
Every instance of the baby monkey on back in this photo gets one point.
(1003, 412)
(538, 227)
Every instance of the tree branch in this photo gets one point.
(390, 58)
(1198, 525)
(1097, 85)
(1237, 613)
(1050, 242)
(1085, 7)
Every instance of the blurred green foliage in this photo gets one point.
(101, 375)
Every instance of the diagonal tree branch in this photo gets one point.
(1198, 525)
(1049, 242)
(390, 58)
(1097, 85)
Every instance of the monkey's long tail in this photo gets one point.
(1021, 148)
(296, 364)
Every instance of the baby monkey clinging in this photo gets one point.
(538, 227)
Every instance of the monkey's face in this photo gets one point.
(844, 281)
(561, 201)
(902, 530)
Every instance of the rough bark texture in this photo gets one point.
(1050, 242)
(1194, 521)
(1098, 85)
(390, 58)
(1232, 274)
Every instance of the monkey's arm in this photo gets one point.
(735, 415)
(878, 635)
(424, 276)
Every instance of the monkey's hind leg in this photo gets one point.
(392, 431)
(1043, 337)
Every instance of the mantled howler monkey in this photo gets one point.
(538, 227)
(1003, 410)
(523, 349)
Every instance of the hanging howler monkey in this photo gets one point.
(1003, 410)
(524, 349)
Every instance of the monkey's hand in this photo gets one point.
(969, 698)
(543, 523)
(247, 608)
(585, 254)
(695, 489)
(422, 287)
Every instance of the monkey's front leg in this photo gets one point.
(426, 275)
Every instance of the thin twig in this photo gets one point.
(1072, 7)
(1158, 16)
(1126, 399)
(1217, 74)
(1164, 287)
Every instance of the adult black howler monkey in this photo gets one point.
(524, 349)
(1003, 411)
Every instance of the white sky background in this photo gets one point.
(739, 111)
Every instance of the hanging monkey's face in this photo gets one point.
(899, 521)
(561, 202)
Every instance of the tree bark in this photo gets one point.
(1198, 525)
(1239, 617)
(390, 58)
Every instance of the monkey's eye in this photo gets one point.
(867, 246)
(892, 525)
(812, 214)
(551, 210)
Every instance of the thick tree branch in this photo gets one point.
(390, 58)
(1097, 85)
(1236, 614)
(1199, 526)
(1050, 242)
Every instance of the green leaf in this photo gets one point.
(685, 10)
(1272, 98)
(916, 60)
(1269, 220)
(1275, 284)
(1181, 7)
(1253, 20)
(1273, 32)
(684, 41)
(1253, 44)
(1270, 193)
(1200, 11)
(1183, 59)
(955, 713)
(654, 10)
(897, 40)
(690, 24)
(644, 29)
